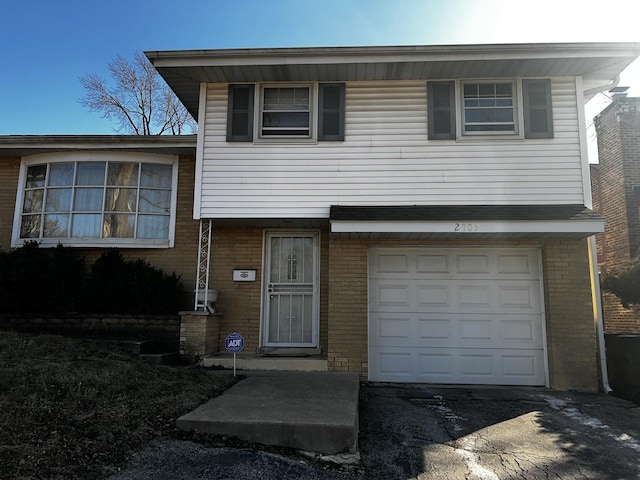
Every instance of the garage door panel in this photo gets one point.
(517, 263)
(505, 264)
(472, 263)
(454, 330)
(392, 264)
(458, 296)
(433, 264)
(393, 331)
(465, 366)
(393, 296)
(446, 315)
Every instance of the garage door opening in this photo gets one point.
(456, 316)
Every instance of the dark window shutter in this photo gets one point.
(538, 116)
(442, 110)
(331, 111)
(240, 113)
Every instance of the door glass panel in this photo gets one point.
(291, 291)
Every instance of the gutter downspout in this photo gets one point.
(588, 94)
(597, 312)
(596, 296)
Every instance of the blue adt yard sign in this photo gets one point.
(234, 343)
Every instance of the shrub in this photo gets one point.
(40, 280)
(119, 286)
(625, 284)
(53, 280)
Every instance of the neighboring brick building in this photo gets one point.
(615, 185)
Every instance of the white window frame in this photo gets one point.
(518, 117)
(91, 156)
(259, 110)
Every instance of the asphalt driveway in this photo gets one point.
(455, 433)
(414, 431)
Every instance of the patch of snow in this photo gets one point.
(471, 460)
(573, 413)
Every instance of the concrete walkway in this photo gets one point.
(315, 411)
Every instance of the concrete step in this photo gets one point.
(168, 358)
(314, 411)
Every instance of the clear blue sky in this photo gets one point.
(47, 44)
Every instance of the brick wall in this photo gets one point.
(155, 327)
(9, 170)
(618, 319)
(571, 336)
(596, 193)
(239, 302)
(618, 131)
(199, 333)
(571, 333)
(348, 307)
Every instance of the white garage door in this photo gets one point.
(461, 316)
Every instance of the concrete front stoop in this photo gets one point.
(313, 411)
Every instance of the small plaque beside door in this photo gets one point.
(244, 275)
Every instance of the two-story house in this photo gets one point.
(419, 213)
(413, 213)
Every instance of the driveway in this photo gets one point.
(491, 433)
(414, 431)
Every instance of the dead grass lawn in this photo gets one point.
(71, 408)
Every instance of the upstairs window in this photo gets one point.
(288, 112)
(285, 112)
(102, 203)
(488, 107)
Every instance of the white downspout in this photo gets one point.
(596, 298)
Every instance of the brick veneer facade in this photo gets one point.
(570, 329)
(239, 302)
(616, 195)
(180, 259)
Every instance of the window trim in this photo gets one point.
(518, 117)
(259, 110)
(92, 156)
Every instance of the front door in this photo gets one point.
(291, 290)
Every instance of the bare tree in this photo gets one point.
(141, 102)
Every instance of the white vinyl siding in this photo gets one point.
(386, 159)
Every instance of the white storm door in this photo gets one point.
(291, 290)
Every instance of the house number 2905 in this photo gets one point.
(465, 227)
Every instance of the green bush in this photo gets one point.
(624, 283)
(53, 280)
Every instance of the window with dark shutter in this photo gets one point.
(538, 115)
(331, 111)
(442, 121)
(240, 113)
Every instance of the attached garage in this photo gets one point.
(471, 315)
